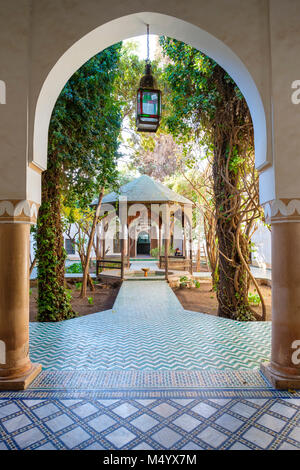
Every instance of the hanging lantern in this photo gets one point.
(148, 102)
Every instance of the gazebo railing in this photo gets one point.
(178, 263)
(102, 264)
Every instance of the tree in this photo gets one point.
(195, 184)
(208, 107)
(157, 156)
(77, 223)
(82, 152)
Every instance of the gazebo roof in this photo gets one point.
(145, 189)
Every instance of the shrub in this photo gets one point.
(155, 251)
(254, 298)
(184, 281)
(74, 268)
(69, 295)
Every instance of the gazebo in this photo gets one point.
(149, 215)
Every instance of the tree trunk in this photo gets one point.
(53, 301)
(89, 279)
(232, 291)
(32, 265)
(89, 247)
(211, 246)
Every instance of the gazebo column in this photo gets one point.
(135, 243)
(122, 241)
(97, 244)
(97, 249)
(283, 371)
(128, 251)
(166, 219)
(103, 244)
(16, 369)
(167, 245)
(159, 244)
(184, 236)
(191, 248)
(123, 215)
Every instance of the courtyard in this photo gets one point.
(149, 227)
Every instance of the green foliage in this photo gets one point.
(74, 268)
(78, 285)
(155, 251)
(194, 95)
(82, 154)
(90, 300)
(184, 281)
(207, 109)
(85, 127)
(53, 300)
(69, 294)
(254, 298)
(130, 70)
(236, 160)
(244, 314)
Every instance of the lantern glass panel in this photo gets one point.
(148, 110)
(150, 103)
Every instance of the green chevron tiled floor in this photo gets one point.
(149, 375)
(148, 329)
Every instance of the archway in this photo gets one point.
(143, 244)
(134, 25)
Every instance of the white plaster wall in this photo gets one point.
(69, 257)
(285, 47)
(262, 241)
(14, 67)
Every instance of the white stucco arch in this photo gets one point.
(134, 25)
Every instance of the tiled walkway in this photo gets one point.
(148, 328)
(150, 375)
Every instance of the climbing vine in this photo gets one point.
(209, 109)
(53, 300)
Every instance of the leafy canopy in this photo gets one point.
(85, 127)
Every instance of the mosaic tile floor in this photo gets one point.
(150, 375)
(91, 420)
(148, 329)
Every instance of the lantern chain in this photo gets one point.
(148, 47)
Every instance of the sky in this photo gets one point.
(142, 45)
